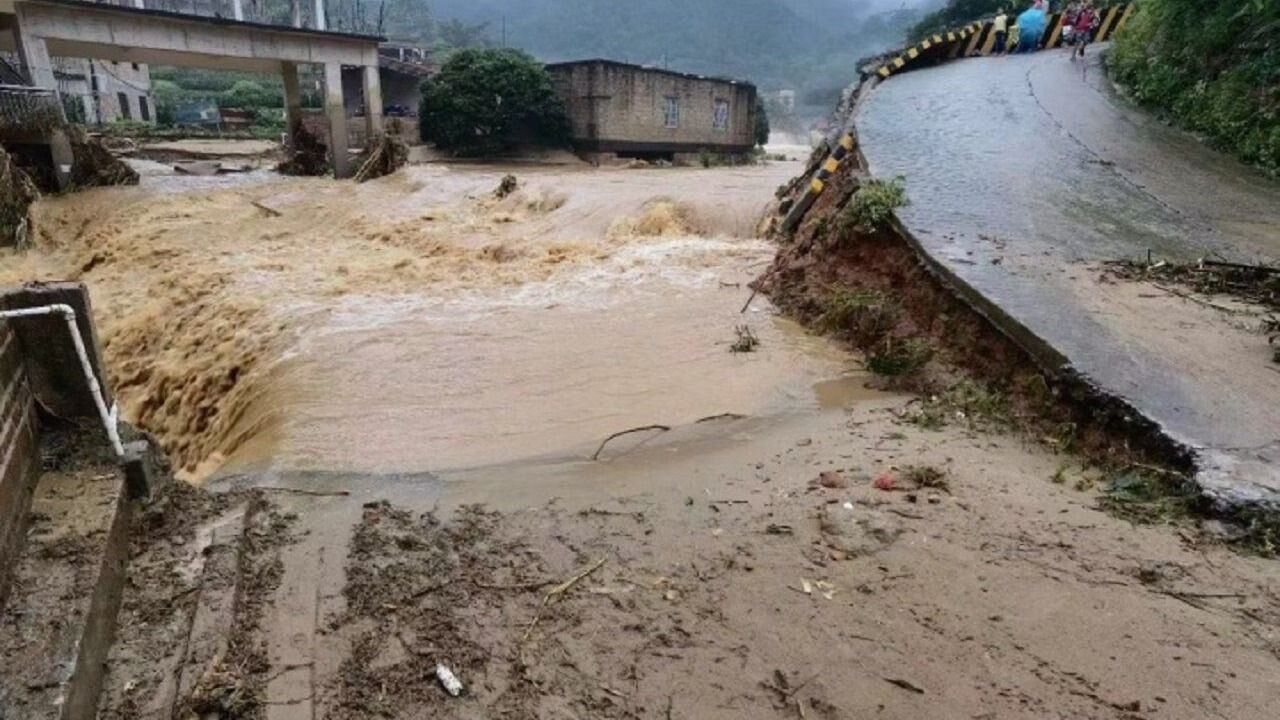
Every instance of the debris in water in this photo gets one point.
(93, 165)
(304, 154)
(451, 683)
(885, 481)
(747, 340)
(17, 192)
(388, 154)
(506, 187)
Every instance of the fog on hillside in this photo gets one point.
(810, 47)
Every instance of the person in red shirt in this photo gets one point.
(1086, 23)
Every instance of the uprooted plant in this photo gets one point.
(872, 205)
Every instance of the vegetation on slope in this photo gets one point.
(1213, 68)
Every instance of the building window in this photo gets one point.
(720, 121)
(671, 114)
(135, 67)
(144, 111)
(124, 106)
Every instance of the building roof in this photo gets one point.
(648, 68)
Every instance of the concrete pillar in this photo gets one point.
(292, 97)
(140, 4)
(295, 8)
(337, 112)
(237, 9)
(35, 59)
(372, 103)
(320, 21)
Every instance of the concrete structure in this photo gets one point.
(19, 453)
(41, 29)
(101, 91)
(635, 111)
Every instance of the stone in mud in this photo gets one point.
(860, 531)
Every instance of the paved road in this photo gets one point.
(1025, 171)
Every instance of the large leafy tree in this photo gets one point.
(485, 102)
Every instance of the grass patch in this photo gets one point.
(926, 476)
(865, 314)
(969, 402)
(872, 205)
(900, 356)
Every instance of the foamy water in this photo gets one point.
(420, 323)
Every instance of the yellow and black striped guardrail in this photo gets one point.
(979, 38)
(828, 168)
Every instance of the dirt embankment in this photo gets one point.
(869, 285)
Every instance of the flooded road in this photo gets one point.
(419, 323)
(1024, 171)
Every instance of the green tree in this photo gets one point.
(249, 94)
(485, 102)
(762, 123)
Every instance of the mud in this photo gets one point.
(157, 667)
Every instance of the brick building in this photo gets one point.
(634, 111)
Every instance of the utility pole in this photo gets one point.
(504, 31)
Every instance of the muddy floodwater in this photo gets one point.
(420, 323)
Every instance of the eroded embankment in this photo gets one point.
(924, 331)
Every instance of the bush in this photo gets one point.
(873, 204)
(1213, 69)
(900, 356)
(485, 102)
(865, 314)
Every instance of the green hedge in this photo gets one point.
(1211, 67)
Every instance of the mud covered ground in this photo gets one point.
(766, 576)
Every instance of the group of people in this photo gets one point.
(1079, 21)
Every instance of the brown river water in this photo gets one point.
(418, 323)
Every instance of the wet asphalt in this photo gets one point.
(1023, 170)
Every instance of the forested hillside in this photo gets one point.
(1214, 68)
(811, 46)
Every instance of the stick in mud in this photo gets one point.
(560, 589)
(596, 454)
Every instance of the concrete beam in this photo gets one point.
(73, 29)
(337, 112)
(372, 104)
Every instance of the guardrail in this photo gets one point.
(979, 38)
(973, 40)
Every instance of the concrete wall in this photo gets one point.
(614, 107)
(19, 454)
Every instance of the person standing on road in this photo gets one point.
(1000, 26)
(1069, 23)
(1086, 23)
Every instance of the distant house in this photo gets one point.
(635, 111)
